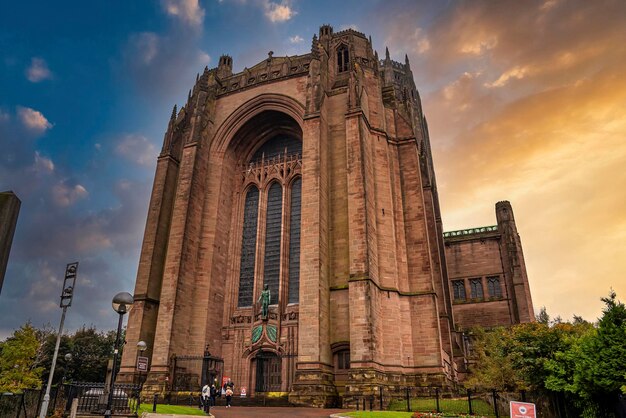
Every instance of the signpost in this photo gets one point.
(142, 364)
(522, 410)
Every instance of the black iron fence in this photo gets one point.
(191, 373)
(27, 403)
(474, 402)
(92, 399)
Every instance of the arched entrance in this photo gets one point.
(268, 372)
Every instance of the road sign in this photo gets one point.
(142, 364)
(523, 410)
(243, 391)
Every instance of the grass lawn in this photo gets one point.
(171, 409)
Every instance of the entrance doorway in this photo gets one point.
(268, 372)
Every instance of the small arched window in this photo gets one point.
(343, 59)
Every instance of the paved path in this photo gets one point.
(272, 412)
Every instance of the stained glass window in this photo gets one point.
(294, 242)
(271, 275)
(248, 247)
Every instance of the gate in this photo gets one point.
(268, 372)
(191, 373)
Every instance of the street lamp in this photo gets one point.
(68, 358)
(66, 301)
(141, 347)
(122, 304)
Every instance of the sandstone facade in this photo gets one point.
(312, 174)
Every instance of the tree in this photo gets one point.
(601, 361)
(18, 368)
(91, 350)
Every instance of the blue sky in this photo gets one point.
(527, 98)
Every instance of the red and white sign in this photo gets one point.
(243, 392)
(523, 410)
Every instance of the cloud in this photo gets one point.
(38, 70)
(33, 120)
(204, 58)
(517, 72)
(352, 26)
(161, 65)
(65, 194)
(296, 39)
(43, 164)
(136, 148)
(146, 45)
(189, 12)
(278, 12)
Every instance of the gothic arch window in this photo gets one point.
(248, 247)
(493, 285)
(273, 232)
(476, 288)
(343, 59)
(272, 206)
(294, 241)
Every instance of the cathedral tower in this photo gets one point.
(310, 175)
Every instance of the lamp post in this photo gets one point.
(141, 347)
(122, 303)
(68, 358)
(66, 301)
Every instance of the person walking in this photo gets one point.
(229, 396)
(206, 394)
(213, 394)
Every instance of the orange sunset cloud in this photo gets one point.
(526, 101)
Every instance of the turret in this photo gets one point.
(326, 31)
(225, 66)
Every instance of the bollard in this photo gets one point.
(364, 403)
(154, 402)
(469, 401)
(437, 399)
(495, 403)
(380, 389)
(371, 397)
(357, 403)
(408, 400)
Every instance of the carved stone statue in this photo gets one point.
(265, 301)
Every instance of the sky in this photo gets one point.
(526, 102)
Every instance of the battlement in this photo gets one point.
(471, 231)
(268, 70)
(350, 31)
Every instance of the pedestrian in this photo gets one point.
(229, 396)
(213, 394)
(206, 394)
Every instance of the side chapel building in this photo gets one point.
(313, 175)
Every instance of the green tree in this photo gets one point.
(601, 361)
(18, 368)
(91, 350)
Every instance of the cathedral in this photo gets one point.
(294, 240)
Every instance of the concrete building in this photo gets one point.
(313, 175)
